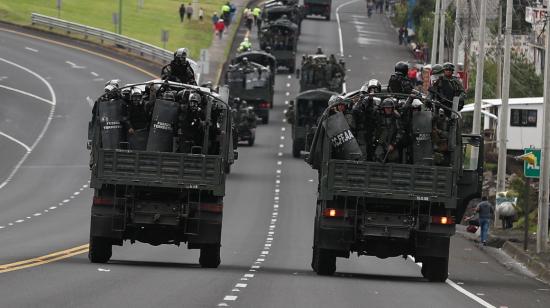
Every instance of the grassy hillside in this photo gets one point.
(144, 24)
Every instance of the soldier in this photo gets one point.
(319, 51)
(111, 91)
(365, 117)
(179, 69)
(447, 87)
(390, 133)
(245, 45)
(137, 117)
(399, 83)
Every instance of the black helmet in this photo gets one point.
(372, 84)
(388, 103)
(181, 54)
(319, 50)
(402, 67)
(245, 60)
(169, 96)
(268, 49)
(448, 66)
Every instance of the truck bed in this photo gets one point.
(393, 181)
(158, 169)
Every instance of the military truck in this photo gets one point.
(252, 82)
(303, 114)
(282, 37)
(273, 10)
(320, 71)
(261, 57)
(317, 7)
(170, 191)
(392, 209)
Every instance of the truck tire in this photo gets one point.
(100, 250)
(435, 269)
(227, 168)
(251, 141)
(328, 17)
(265, 119)
(324, 262)
(210, 256)
(296, 148)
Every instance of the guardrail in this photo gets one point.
(145, 50)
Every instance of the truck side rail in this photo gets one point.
(393, 181)
(158, 169)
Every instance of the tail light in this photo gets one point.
(102, 201)
(265, 105)
(330, 212)
(443, 220)
(212, 207)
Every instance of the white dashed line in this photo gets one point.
(287, 93)
(31, 49)
(230, 298)
(36, 214)
(286, 102)
(94, 74)
(288, 85)
(283, 129)
(289, 76)
(241, 285)
(19, 221)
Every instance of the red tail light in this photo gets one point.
(265, 105)
(443, 220)
(330, 212)
(212, 207)
(102, 201)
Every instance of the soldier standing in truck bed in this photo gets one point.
(179, 69)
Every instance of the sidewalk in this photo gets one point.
(511, 243)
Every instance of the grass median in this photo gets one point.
(143, 23)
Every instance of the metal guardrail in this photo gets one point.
(146, 50)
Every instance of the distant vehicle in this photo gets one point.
(261, 57)
(245, 124)
(273, 10)
(253, 83)
(319, 71)
(317, 7)
(171, 190)
(303, 114)
(282, 36)
(385, 209)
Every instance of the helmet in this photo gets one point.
(402, 67)
(334, 99)
(416, 103)
(169, 96)
(388, 103)
(194, 100)
(236, 101)
(245, 60)
(372, 84)
(181, 55)
(136, 94)
(268, 49)
(113, 82)
(207, 84)
(319, 50)
(437, 69)
(448, 66)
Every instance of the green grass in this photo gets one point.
(143, 24)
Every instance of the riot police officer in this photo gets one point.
(448, 86)
(390, 133)
(179, 69)
(365, 117)
(399, 82)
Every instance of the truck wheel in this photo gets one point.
(296, 148)
(251, 141)
(325, 262)
(227, 168)
(435, 269)
(100, 250)
(265, 119)
(210, 256)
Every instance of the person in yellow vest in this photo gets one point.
(225, 12)
(256, 12)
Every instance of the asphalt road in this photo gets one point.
(269, 207)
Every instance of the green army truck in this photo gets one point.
(162, 196)
(393, 209)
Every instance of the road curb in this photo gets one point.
(541, 271)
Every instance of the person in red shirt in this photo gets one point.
(219, 27)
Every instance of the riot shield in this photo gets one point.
(341, 137)
(163, 122)
(422, 148)
(110, 122)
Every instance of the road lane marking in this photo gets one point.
(73, 65)
(31, 49)
(44, 128)
(344, 87)
(27, 94)
(27, 148)
(94, 74)
(56, 256)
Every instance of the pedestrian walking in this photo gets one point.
(182, 12)
(249, 19)
(220, 27)
(225, 11)
(401, 35)
(215, 19)
(201, 14)
(486, 213)
(189, 11)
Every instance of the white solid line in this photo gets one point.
(44, 128)
(340, 32)
(28, 94)
(31, 49)
(27, 148)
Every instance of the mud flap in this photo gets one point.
(341, 137)
(162, 130)
(110, 122)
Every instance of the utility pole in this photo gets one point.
(456, 38)
(499, 53)
(504, 112)
(544, 181)
(442, 11)
(468, 39)
(435, 32)
(476, 127)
